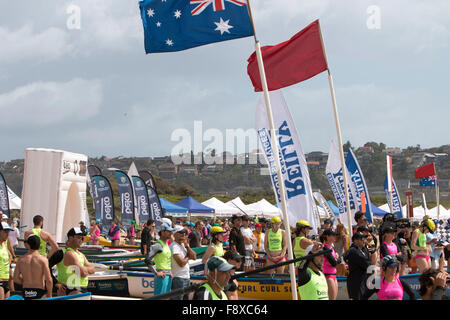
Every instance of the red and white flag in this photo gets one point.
(389, 172)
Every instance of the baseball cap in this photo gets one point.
(234, 217)
(179, 228)
(218, 263)
(4, 216)
(358, 236)
(5, 226)
(74, 232)
(258, 225)
(165, 227)
(167, 221)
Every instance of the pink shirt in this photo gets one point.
(390, 291)
(392, 249)
(327, 267)
(116, 235)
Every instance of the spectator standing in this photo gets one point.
(361, 221)
(148, 236)
(14, 235)
(433, 284)
(181, 254)
(341, 245)
(195, 237)
(114, 234)
(249, 239)
(83, 228)
(236, 237)
(131, 232)
(358, 260)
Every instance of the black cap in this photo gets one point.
(74, 232)
(362, 229)
(232, 255)
(327, 221)
(389, 230)
(234, 217)
(358, 236)
(245, 218)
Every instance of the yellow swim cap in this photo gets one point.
(303, 223)
(430, 225)
(275, 219)
(217, 229)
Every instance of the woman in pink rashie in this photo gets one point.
(94, 232)
(330, 262)
(391, 287)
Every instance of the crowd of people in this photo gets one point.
(371, 257)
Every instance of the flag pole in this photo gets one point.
(437, 195)
(339, 136)
(276, 157)
(389, 176)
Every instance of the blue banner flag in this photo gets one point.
(396, 202)
(428, 181)
(358, 183)
(126, 196)
(140, 191)
(177, 25)
(4, 200)
(104, 206)
(155, 206)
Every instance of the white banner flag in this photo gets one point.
(336, 180)
(324, 204)
(299, 198)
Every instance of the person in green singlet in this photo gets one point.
(5, 261)
(216, 247)
(275, 244)
(419, 244)
(45, 237)
(218, 277)
(161, 254)
(312, 284)
(74, 268)
(301, 241)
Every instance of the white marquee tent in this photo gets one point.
(241, 206)
(221, 209)
(264, 208)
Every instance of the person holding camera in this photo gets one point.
(433, 284)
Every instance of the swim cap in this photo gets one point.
(429, 224)
(303, 224)
(275, 219)
(217, 229)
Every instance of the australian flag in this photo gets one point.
(175, 25)
(428, 181)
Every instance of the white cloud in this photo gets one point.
(44, 103)
(27, 44)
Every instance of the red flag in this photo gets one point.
(292, 61)
(425, 171)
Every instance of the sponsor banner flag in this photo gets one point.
(4, 200)
(428, 181)
(142, 204)
(92, 171)
(104, 201)
(156, 210)
(324, 204)
(148, 178)
(182, 24)
(336, 180)
(396, 202)
(409, 203)
(358, 183)
(290, 62)
(390, 179)
(126, 196)
(299, 198)
(425, 171)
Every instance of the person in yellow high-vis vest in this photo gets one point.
(45, 237)
(218, 276)
(301, 240)
(5, 261)
(312, 284)
(161, 254)
(74, 268)
(275, 244)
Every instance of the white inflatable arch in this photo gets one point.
(54, 186)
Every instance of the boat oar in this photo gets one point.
(183, 291)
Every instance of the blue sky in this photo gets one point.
(95, 91)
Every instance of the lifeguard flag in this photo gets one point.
(298, 59)
(425, 171)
